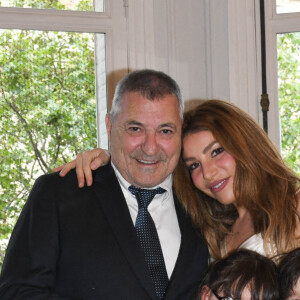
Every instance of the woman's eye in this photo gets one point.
(217, 151)
(193, 166)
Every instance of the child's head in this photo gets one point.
(242, 275)
(289, 275)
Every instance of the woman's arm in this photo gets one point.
(84, 163)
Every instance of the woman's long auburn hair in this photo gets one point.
(263, 184)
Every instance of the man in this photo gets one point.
(100, 242)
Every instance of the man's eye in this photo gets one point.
(193, 166)
(167, 131)
(134, 129)
(217, 151)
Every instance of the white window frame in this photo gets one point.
(276, 23)
(112, 22)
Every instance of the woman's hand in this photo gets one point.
(84, 163)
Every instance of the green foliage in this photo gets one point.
(47, 110)
(83, 5)
(288, 46)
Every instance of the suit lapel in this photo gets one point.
(114, 205)
(187, 253)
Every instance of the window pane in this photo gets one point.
(79, 5)
(47, 109)
(288, 47)
(287, 6)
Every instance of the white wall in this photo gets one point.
(208, 46)
(171, 36)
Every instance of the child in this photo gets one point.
(243, 274)
(289, 275)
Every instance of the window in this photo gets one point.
(288, 57)
(283, 76)
(287, 6)
(79, 5)
(56, 62)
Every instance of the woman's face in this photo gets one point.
(295, 295)
(212, 169)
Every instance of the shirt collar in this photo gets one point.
(166, 184)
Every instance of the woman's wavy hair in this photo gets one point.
(243, 269)
(262, 183)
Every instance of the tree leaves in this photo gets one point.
(288, 45)
(47, 110)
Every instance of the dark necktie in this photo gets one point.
(147, 234)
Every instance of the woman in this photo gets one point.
(244, 274)
(289, 275)
(233, 182)
(259, 209)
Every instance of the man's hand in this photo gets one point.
(84, 163)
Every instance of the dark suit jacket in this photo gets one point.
(72, 243)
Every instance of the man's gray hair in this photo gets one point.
(150, 84)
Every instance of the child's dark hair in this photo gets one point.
(289, 272)
(240, 269)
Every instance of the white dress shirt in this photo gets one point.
(163, 212)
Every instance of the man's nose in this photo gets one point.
(150, 145)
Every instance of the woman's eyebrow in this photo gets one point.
(208, 147)
(205, 150)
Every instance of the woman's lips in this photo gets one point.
(218, 185)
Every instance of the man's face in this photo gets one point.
(145, 138)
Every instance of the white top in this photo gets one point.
(163, 212)
(254, 243)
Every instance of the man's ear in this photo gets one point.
(205, 293)
(108, 125)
